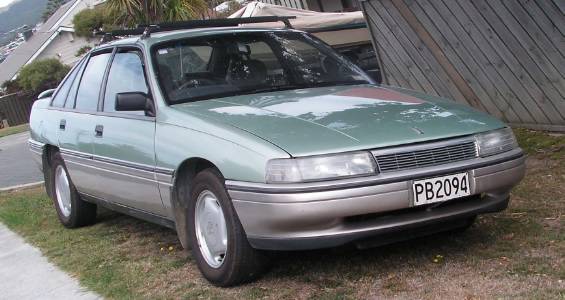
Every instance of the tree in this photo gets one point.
(9, 87)
(88, 20)
(82, 51)
(133, 12)
(42, 74)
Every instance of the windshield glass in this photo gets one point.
(252, 62)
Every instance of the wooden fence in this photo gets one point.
(15, 108)
(506, 57)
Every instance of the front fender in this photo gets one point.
(243, 160)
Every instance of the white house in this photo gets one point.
(53, 39)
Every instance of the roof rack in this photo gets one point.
(146, 30)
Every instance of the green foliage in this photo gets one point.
(132, 12)
(42, 74)
(114, 14)
(10, 86)
(88, 20)
(541, 143)
(83, 50)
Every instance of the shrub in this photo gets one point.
(88, 20)
(10, 86)
(42, 74)
(82, 51)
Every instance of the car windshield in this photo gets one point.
(246, 63)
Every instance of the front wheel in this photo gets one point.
(218, 241)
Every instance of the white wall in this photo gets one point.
(64, 47)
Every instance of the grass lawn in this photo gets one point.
(518, 253)
(13, 130)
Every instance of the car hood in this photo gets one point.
(344, 118)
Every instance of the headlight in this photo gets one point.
(320, 167)
(496, 141)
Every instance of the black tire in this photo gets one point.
(82, 213)
(466, 225)
(241, 263)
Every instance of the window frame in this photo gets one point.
(112, 48)
(117, 50)
(76, 67)
(324, 47)
(102, 83)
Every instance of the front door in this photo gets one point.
(124, 147)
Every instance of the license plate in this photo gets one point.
(442, 188)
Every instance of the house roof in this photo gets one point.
(40, 38)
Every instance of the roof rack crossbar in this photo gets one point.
(146, 30)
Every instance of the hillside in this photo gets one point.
(20, 12)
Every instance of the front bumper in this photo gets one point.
(332, 213)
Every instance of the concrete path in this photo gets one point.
(17, 165)
(26, 274)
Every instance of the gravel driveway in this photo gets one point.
(16, 163)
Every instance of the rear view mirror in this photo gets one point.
(46, 94)
(133, 101)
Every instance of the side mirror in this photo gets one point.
(46, 94)
(134, 101)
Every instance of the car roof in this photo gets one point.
(164, 36)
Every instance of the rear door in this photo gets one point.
(124, 148)
(77, 122)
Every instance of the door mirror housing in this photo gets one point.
(135, 101)
(46, 94)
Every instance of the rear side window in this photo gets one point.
(70, 103)
(126, 75)
(63, 92)
(89, 88)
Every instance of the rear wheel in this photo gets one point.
(71, 209)
(218, 241)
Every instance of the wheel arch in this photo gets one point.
(180, 192)
(47, 156)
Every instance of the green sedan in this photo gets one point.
(248, 141)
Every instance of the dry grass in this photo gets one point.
(519, 253)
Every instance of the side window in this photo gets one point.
(70, 103)
(179, 62)
(89, 88)
(63, 91)
(126, 75)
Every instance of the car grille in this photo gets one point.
(426, 157)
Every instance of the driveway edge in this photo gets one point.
(21, 186)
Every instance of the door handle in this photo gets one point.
(99, 130)
(63, 124)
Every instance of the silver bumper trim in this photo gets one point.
(275, 215)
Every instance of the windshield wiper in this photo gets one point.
(270, 89)
(275, 88)
(303, 86)
(333, 83)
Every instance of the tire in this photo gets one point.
(72, 211)
(210, 202)
(466, 225)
